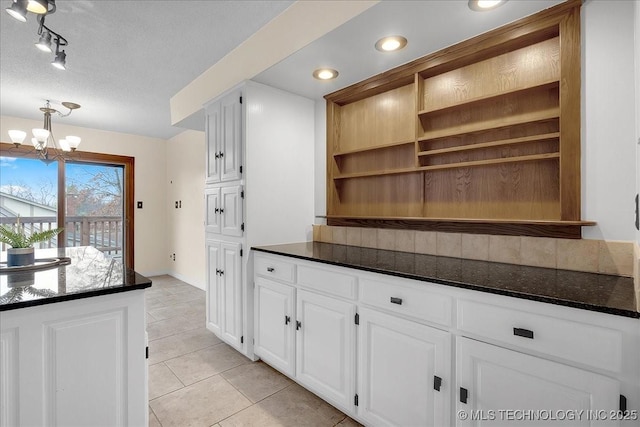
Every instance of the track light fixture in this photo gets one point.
(61, 59)
(18, 10)
(41, 8)
(44, 44)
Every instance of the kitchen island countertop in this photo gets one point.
(89, 273)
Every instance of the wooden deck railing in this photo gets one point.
(102, 232)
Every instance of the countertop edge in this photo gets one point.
(470, 286)
(75, 296)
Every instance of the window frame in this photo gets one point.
(127, 162)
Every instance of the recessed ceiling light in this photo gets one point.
(391, 43)
(482, 5)
(325, 74)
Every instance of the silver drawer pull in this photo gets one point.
(395, 300)
(271, 269)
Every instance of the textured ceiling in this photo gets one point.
(125, 60)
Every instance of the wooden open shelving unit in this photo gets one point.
(483, 136)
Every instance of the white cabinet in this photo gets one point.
(75, 363)
(223, 206)
(224, 218)
(306, 335)
(224, 139)
(325, 346)
(417, 353)
(404, 372)
(259, 184)
(275, 324)
(493, 380)
(224, 291)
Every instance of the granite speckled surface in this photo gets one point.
(589, 291)
(89, 274)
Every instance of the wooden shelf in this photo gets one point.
(511, 141)
(376, 173)
(508, 227)
(551, 113)
(464, 220)
(475, 163)
(487, 129)
(539, 86)
(369, 149)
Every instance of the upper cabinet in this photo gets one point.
(483, 136)
(224, 139)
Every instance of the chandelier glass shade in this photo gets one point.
(43, 141)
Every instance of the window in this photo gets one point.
(92, 195)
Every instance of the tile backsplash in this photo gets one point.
(594, 256)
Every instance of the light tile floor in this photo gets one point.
(197, 380)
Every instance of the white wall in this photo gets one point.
(185, 171)
(150, 157)
(608, 119)
(279, 166)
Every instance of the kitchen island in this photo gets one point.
(73, 342)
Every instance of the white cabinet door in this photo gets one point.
(224, 291)
(212, 204)
(325, 347)
(230, 154)
(493, 380)
(223, 128)
(230, 274)
(213, 317)
(75, 363)
(275, 324)
(9, 380)
(404, 372)
(212, 129)
(231, 211)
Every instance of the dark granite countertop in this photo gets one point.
(90, 273)
(589, 291)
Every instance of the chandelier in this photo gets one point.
(42, 8)
(45, 145)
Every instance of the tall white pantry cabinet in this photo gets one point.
(259, 191)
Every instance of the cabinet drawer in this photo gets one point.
(275, 268)
(410, 299)
(574, 341)
(327, 281)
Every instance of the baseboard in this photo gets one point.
(187, 280)
(152, 273)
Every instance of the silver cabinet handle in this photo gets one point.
(271, 269)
